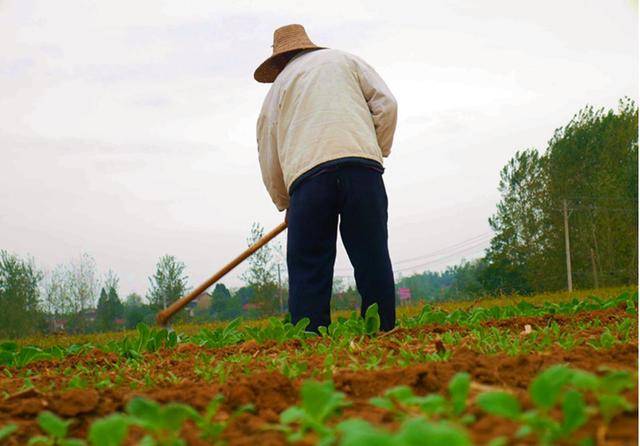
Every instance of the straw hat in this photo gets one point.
(287, 42)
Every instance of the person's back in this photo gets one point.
(321, 113)
(324, 128)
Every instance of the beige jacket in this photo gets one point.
(325, 104)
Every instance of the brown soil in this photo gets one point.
(271, 392)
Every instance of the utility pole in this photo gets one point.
(566, 245)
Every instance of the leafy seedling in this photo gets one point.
(109, 431)
(413, 432)
(402, 402)
(354, 326)
(551, 387)
(6, 431)
(57, 430)
(320, 401)
(221, 337)
(212, 428)
(164, 423)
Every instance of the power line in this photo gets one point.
(482, 237)
(471, 249)
(472, 242)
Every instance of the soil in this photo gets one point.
(271, 392)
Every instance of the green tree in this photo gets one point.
(19, 294)
(135, 311)
(261, 275)
(169, 282)
(224, 304)
(591, 165)
(133, 299)
(103, 319)
(109, 307)
(519, 225)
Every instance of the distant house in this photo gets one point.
(203, 301)
(200, 303)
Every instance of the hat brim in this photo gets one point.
(268, 70)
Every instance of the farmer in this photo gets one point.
(325, 125)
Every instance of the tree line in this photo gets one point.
(72, 298)
(589, 168)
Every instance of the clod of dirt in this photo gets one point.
(75, 401)
(267, 391)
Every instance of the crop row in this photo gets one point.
(303, 362)
(563, 400)
(342, 331)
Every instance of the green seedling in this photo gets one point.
(210, 427)
(605, 341)
(607, 390)
(6, 431)
(56, 429)
(77, 382)
(19, 356)
(162, 422)
(147, 340)
(220, 337)
(354, 326)
(562, 387)
(416, 431)
(320, 402)
(109, 431)
(403, 403)
(280, 331)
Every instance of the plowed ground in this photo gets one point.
(271, 392)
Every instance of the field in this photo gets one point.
(542, 370)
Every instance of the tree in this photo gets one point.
(519, 224)
(57, 298)
(109, 306)
(591, 165)
(219, 300)
(169, 282)
(81, 288)
(103, 319)
(135, 311)
(262, 274)
(133, 299)
(345, 298)
(19, 294)
(262, 267)
(224, 304)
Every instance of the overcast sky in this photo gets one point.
(127, 128)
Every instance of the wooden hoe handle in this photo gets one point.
(164, 316)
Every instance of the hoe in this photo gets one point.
(167, 313)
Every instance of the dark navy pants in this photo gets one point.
(356, 195)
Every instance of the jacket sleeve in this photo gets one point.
(270, 163)
(382, 104)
